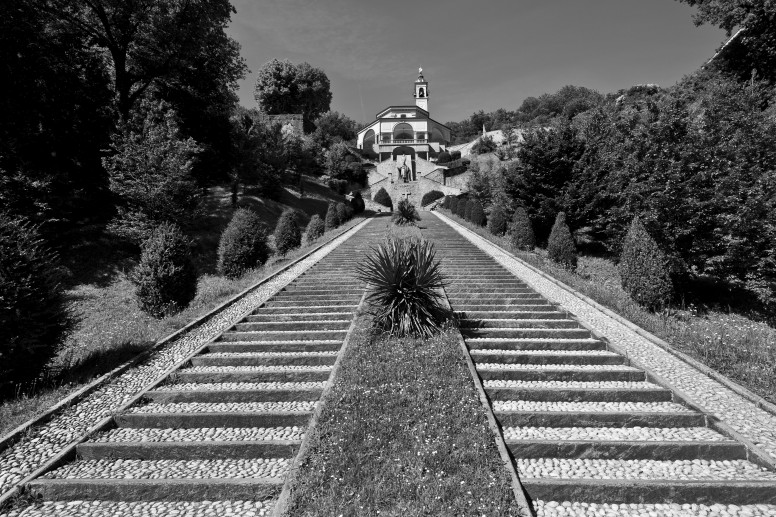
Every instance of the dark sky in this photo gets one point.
(476, 54)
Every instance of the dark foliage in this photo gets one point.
(315, 229)
(444, 157)
(344, 212)
(430, 197)
(165, 279)
(33, 311)
(477, 215)
(357, 203)
(405, 279)
(484, 145)
(521, 231)
(243, 244)
(644, 268)
(332, 219)
(467, 211)
(561, 248)
(497, 222)
(383, 198)
(405, 214)
(288, 236)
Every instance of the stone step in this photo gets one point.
(627, 450)
(309, 309)
(519, 305)
(264, 358)
(580, 394)
(522, 323)
(219, 374)
(293, 289)
(236, 392)
(294, 316)
(294, 325)
(558, 372)
(107, 508)
(188, 450)
(475, 316)
(275, 346)
(600, 419)
(516, 333)
(284, 335)
(556, 357)
(535, 344)
(216, 419)
(144, 480)
(301, 303)
(619, 491)
(614, 434)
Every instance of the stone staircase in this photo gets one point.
(221, 432)
(584, 425)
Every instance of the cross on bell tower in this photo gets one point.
(421, 91)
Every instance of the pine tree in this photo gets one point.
(644, 268)
(521, 231)
(477, 214)
(560, 246)
(288, 236)
(497, 222)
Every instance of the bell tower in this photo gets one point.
(421, 91)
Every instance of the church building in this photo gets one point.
(405, 141)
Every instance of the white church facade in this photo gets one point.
(405, 141)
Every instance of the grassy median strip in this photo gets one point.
(403, 433)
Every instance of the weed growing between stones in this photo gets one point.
(405, 280)
(402, 434)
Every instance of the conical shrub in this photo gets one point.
(521, 231)
(477, 214)
(644, 268)
(453, 204)
(467, 214)
(383, 198)
(243, 244)
(357, 203)
(165, 279)
(288, 236)
(405, 214)
(332, 221)
(405, 279)
(461, 208)
(315, 229)
(497, 222)
(344, 213)
(33, 308)
(560, 246)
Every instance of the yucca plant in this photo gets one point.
(405, 214)
(405, 279)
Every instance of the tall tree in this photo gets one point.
(283, 87)
(171, 43)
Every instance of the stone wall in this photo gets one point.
(429, 177)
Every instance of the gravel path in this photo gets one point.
(147, 509)
(597, 407)
(739, 413)
(569, 509)
(44, 442)
(646, 434)
(199, 434)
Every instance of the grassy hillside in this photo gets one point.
(112, 329)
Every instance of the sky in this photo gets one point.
(476, 54)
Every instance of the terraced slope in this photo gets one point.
(218, 435)
(585, 426)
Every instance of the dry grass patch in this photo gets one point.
(403, 434)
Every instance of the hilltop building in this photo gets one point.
(405, 141)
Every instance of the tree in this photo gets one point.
(383, 198)
(243, 244)
(33, 307)
(644, 269)
(332, 219)
(453, 205)
(484, 145)
(288, 235)
(560, 245)
(477, 215)
(497, 222)
(315, 229)
(150, 172)
(334, 127)
(157, 43)
(165, 278)
(357, 203)
(282, 87)
(521, 231)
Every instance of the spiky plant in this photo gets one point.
(405, 214)
(405, 279)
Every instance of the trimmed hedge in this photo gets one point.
(444, 157)
(357, 203)
(497, 222)
(477, 214)
(521, 231)
(33, 308)
(383, 198)
(332, 220)
(644, 268)
(467, 211)
(344, 212)
(430, 197)
(561, 248)
(243, 244)
(165, 279)
(288, 235)
(453, 204)
(315, 229)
